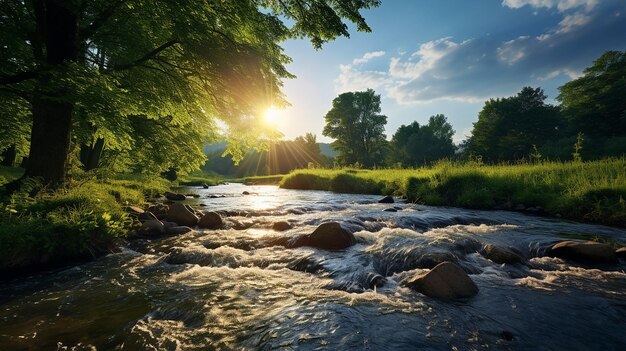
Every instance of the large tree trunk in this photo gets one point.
(52, 118)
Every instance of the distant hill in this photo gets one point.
(327, 150)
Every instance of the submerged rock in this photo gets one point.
(390, 210)
(386, 200)
(174, 196)
(180, 214)
(432, 259)
(587, 251)
(621, 252)
(328, 236)
(210, 220)
(501, 254)
(281, 226)
(447, 281)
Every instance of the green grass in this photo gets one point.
(199, 178)
(78, 222)
(590, 191)
(259, 180)
(8, 174)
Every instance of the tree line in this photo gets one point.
(589, 123)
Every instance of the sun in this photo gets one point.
(271, 116)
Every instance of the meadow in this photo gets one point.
(587, 191)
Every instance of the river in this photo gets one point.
(227, 289)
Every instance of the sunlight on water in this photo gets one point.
(230, 289)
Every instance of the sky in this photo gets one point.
(426, 57)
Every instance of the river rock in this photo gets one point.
(281, 226)
(391, 209)
(174, 196)
(447, 281)
(158, 209)
(328, 236)
(432, 259)
(153, 227)
(386, 200)
(587, 251)
(210, 220)
(205, 185)
(180, 214)
(501, 254)
(621, 252)
(245, 192)
(147, 215)
(181, 229)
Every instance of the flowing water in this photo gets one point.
(227, 289)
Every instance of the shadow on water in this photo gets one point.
(230, 289)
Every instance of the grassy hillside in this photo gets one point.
(591, 191)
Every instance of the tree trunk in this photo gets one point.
(90, 154)
(8, 156)
(52, 118)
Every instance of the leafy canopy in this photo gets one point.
(182, 64)
(358, 127)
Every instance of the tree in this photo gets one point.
(86, 66)
(594, 103)
(358, 127)
(507, 128)
(415, 145)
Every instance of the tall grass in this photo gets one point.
(590, 191)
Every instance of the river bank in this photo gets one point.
(590, 192)
(77, 223)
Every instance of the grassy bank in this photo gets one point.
(78, 222)
(260, 180)
(590, 191)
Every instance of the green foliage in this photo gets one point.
(578, 146)
(358, 127)
(590, 191)
(415, 145)
(158, 74)
(507, 128)
(80, 221)
(594, 103)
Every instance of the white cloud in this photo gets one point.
(351, 79)
(367, 57)
(480, 68)
(561, 5)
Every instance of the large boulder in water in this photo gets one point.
(386, 200)
(501, 254)
(152, 227)
(447, 281)
(180, 214)
(328, 236)
(583, 251)
(210, 220)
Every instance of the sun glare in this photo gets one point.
(271, 116)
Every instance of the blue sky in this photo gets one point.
(448, 56)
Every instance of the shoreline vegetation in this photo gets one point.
(592, 191)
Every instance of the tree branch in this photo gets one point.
(145, 57)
